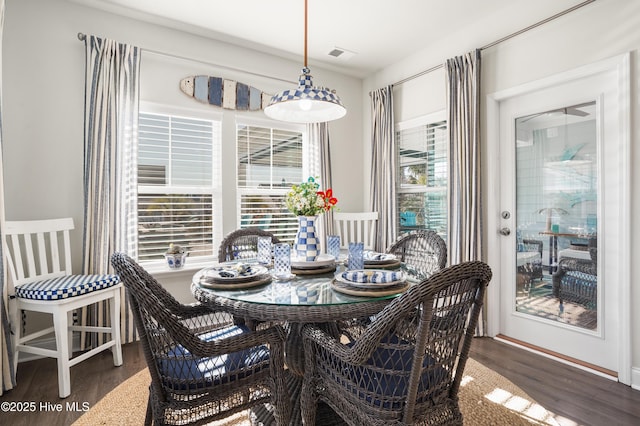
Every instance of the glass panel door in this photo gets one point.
(556, 193)
(562, 224)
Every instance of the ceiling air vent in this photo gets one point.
(340, 53)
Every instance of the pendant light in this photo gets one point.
(306, 103)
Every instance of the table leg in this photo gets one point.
(294, 358)
(325, 416)
(553, 253)
(293, 352)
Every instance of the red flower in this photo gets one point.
(329, 200)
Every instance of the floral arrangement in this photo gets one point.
(306, 199)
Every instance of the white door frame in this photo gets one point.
(620, 64)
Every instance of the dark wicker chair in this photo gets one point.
(576, 280)
(532, 269)
(242, 244)
(203, 368)
(422, 252)
(403, 368)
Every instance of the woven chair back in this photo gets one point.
(423, 252)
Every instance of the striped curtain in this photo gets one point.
(8, 376)
(110, 172)
(465, 207)
(383, 166)
(321, 158)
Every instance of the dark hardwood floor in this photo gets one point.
(91, 380)
(576, 397)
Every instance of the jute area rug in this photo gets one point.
(486, 398)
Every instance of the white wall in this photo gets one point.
(43, 102)
(597, 31)
(43, 107)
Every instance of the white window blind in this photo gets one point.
(270, 160)
(177, 184)
(423, 175)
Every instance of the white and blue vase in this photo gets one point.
(307, 244)
(175, 260)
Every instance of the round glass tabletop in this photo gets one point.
(302, 289)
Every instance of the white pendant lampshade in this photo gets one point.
(306, 103)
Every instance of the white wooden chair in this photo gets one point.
(39, 257)
(356, 227)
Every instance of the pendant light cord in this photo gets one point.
(305, 33)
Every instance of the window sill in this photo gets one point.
(160, 268)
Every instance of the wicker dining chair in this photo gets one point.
(576, 280)
(202, 366)
(242, 244)
(422, 252)
(403, 368)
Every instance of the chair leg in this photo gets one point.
(70, 333)
(281, 401)
(61, 329)
(115, 328)
(16, 319)
(308, 402)
(148, 417)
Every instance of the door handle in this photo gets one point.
(505, 231)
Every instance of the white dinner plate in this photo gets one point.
(235, 273)
(384, 258)
(233, 285)
(321, 261)
(340, 278)
(341, 287)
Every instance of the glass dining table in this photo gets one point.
(307, 298)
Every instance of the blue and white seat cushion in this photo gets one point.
(65, 286)
(181, 370)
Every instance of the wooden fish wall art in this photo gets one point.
(224, 93)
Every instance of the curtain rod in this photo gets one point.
(505, 38)
(82, 37)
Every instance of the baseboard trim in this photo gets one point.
(635, 378)
(591, 368)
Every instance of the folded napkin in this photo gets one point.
(372, 277)
(373, 256)
(238, 270)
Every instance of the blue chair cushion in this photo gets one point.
(389, 388)
(65, 286)
(181, 370)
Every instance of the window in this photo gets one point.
(423, 174)
(270, 160)
(178, 190)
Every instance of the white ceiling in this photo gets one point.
(379, 32)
